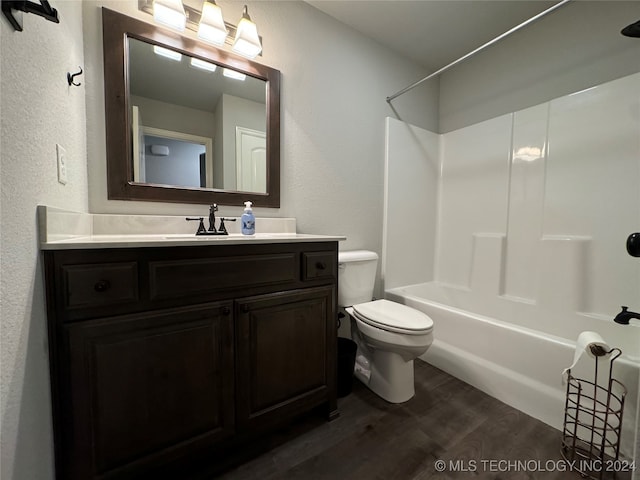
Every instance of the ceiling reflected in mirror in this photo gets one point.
(181, 82)
(183, 95)
(189, 100)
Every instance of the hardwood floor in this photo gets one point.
(448, 420)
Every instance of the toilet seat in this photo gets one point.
(393, 317)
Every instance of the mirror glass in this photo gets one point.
(185, 121)
(194, 123)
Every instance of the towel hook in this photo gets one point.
(71, 77)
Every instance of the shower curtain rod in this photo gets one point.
(482, 47)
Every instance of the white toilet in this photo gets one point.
(389, 335)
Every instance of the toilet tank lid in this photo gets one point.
(356, 256)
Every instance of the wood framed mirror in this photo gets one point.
(226, 105)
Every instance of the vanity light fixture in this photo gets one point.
(233, 74)
(207, 23)
(247, 41)
(211, 27)
(170, 13)
(165, 52)
(202, 65)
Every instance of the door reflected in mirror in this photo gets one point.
(167, 93)
(194, 123)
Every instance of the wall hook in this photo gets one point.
(71, 77)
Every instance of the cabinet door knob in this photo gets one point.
(245, 308)
(321, 265)
(102, 286)
(226, 310)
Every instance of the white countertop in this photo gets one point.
(66, 230)
(180, 240)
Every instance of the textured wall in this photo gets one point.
(576, 47)
(333, 122)
(39, 109)
(334, 85)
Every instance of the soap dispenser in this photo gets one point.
(248, 221)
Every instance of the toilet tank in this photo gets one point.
(356, 276)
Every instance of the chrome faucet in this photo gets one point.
(625, 315)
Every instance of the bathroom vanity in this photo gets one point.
(169, 357)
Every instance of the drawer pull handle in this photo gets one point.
(321, 265)
(226, 310)
(245, 308)
(102, 286)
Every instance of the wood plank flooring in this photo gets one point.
(448, 420)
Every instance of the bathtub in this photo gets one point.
(514, 361)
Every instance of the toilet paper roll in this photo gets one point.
(584, 344)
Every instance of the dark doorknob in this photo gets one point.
(633, 244)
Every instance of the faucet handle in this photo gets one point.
(222, 229)
(201, 230)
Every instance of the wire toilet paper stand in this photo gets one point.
(593, 420)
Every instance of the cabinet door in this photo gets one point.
(147, 389)
(285, 354)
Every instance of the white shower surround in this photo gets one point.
(516, 232)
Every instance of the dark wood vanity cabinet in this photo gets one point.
(165, 361)
(281, 357)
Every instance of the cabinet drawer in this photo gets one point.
(197, 276)
(318, 265)
(100, 284)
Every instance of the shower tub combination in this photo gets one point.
(521, 244)
(516, 362)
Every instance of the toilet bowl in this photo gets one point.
(389, 337)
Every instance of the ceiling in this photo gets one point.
(178, 83)
(433, 33)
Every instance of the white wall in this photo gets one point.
(573, 48)
(39, 109)
(176, 118)
(534, 209)
(536, 206)
(334, 85)
(412, 173)
(218, 150)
